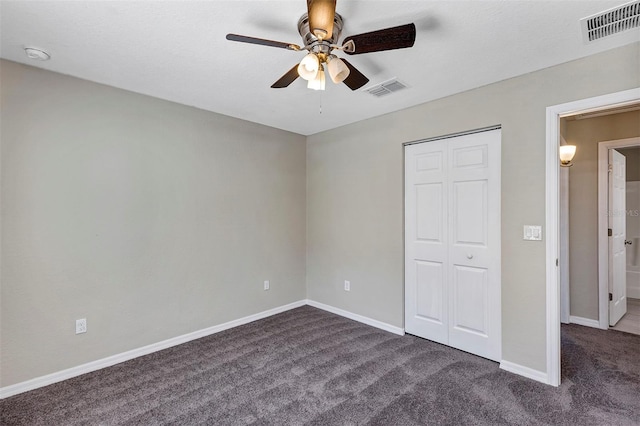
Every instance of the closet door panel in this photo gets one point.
(426, 242)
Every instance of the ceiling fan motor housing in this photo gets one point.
(320, 47)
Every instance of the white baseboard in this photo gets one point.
(59, 376)
(584, 321)
(521, 370)
(69, 373)
(365, 320)
(633, 293)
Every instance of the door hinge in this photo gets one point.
(556, 262)
(610, 232)
(610, 297)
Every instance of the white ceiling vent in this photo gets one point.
(612, 21)
(386, 88)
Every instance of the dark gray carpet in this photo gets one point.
(307, 366)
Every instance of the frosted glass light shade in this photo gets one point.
(338, 70)
(566, 154)
(309, 66)
(317, 83)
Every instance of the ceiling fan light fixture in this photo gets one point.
(309, 66)
(320, 29)
(321, 14)
(338, 70)
(317, 83)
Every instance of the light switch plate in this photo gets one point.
(81, 325)
(532, 233)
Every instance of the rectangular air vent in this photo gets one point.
(386, 88)
(612, 21)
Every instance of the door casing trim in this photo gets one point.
(552, 217)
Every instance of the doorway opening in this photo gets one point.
(552, 234)
(598, 270)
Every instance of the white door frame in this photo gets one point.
(552, 220)
(565, 278)
(603, 224)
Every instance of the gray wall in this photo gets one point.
(633, 158)
(583, 202)
(153, 219)
(148, 218)
(355, 200)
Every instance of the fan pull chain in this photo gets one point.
(320, 102)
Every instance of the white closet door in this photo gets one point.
(452, 242)
(474, 227)
(618, 225)
(426, 241)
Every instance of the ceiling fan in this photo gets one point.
(320, 29)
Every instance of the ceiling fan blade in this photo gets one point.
(356, 79)
(262, 42)
(287, 79)
(377, 41)
(321, 14)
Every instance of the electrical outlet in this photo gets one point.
(347, 285)
(81, 325)
(266, 285)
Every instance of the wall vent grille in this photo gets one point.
(386, 88)
(610, 22)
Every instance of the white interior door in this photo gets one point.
(452, 242)
(426, 241)
(474, 229)
(617, 224)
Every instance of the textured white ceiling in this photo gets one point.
(176, 50)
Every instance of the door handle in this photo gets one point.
(469, 256)
(628, 242)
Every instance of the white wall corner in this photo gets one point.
(69, 373)
(360, 318)
(521, 370)
(633, 293)
(588, 322)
